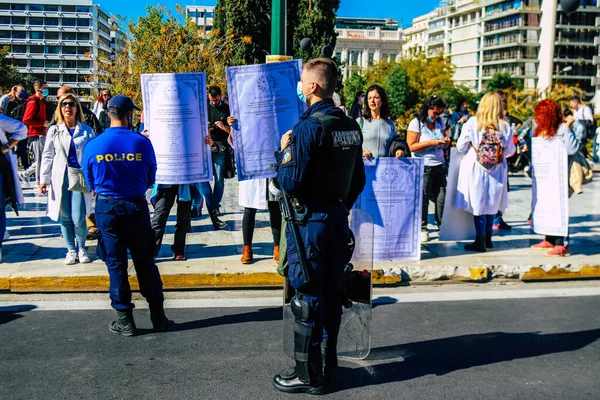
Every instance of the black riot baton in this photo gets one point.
(289, 213)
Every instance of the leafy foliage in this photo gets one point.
(10, 76)
(160, 43)
(354, 84)
(503, 81)
(315, 19)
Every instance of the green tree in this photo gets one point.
(354, 84)
(315, 19)
(503, 81)
(398, 91)
(428, 77)
(250, 22)
(159, 42)
(10, 76)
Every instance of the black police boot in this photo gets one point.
(330, 360)
(477, 245)
(306, 377)
(160, 322)
(217, 223)
(125, 325)
(488, 240)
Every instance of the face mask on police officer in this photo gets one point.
(301, 95)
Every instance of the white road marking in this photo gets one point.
(74, 305)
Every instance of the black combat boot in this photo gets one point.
(488, 240)
(330, 360)
(477, 245)
(160, 322)
(125, 325)
(217, 223)
(306, 377)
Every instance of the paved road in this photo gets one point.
(483, 349)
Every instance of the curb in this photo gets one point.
(381, 277)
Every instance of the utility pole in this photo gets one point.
(279, 28)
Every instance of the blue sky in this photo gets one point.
(397, 9)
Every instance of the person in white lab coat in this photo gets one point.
(254, 195)
(64, 148)
(483, 191)
(8, 168)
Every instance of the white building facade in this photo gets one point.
(362, 42)
(59, 42)
(533, 40)
(203, 16)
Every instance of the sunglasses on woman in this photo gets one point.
(65, 104)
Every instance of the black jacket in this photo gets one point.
(396, 144)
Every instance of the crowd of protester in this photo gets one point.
(57, 132)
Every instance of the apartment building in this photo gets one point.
(203, 16)
(533, 40)
(361, 42)
(415, 37)
(59, 42)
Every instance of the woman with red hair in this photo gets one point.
(549, 124)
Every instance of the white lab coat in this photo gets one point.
(253, 194)
(19, 132)
(54, 163)
(481, 191)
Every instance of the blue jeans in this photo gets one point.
(2, 210)
(483, 224)
(72, 217)
(124, 224)
(213, 197)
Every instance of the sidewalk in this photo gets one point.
(33, 256)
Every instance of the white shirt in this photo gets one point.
(433, 155)
(584, 112)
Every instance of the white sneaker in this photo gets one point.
(83, 256)
(71, 257)
(424, 236)
(6, 235)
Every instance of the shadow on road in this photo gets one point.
(442, 356)
(262, 315)
(10, 313)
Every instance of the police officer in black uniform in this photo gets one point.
(120, 166)
(321, 169)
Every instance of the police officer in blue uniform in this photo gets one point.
(321, 170)
(120, 166)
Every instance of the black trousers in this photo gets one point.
(23, 154)
(249, 220)
(165, 199)
(434, 189)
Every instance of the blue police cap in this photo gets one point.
(121, 104)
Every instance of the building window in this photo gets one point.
(84, 64)
(36, 7)
(83, 22)
(36, 63)
(19, 63)
(17, 7)
(68, 8)
(83, 9)
(18, 49)
(371, 58)
(4, 6)
(35, 21)
(69, 36)
(69, 21)
(4, 20)
(51, 21)
(18, 20)
(69, 50)
(70, 64)
(50, 8)
(52, 64)
(53, 78)
(83, 36)
(18, 35)
(52, 49)
(36, 49)
(51, 35)
(36, 35)
(71, 78)
(83, 50)
(4, 34)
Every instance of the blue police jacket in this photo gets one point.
(319, 166)
(119, 163)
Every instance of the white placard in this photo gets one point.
(550, 187)
(176, 116)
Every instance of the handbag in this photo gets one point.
(75, 176)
